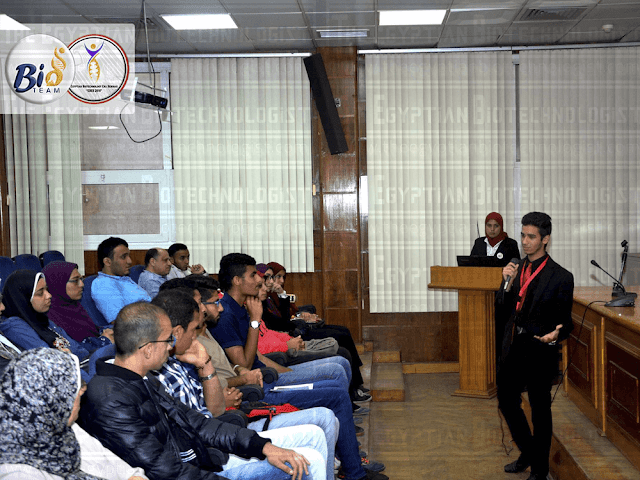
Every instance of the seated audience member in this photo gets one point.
(334, 398)
(8, 351)
(238, 329)
(277, 314)
(27, 301)
(496, 242)
(65, 286)
(158, 266)
(293, 347)
(180, 267)
(113, 289)
(190, 376)
(130, 412)
(39, 403)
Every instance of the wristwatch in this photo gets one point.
(255, 324)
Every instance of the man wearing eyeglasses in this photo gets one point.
(133, 416)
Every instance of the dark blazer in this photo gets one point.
(138, 421)
(548, 304)
(508, 248)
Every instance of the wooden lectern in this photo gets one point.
(476, 325)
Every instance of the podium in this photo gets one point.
(476, 288)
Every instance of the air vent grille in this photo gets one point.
(551, 13)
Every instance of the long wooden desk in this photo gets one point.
(603, 379)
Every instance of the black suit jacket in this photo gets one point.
(547, 304)
(508, 248)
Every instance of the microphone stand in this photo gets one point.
(617, 291)
(623, 300)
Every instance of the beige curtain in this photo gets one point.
(580, 122)
(44, 180)
(440, 153)
(242, 159)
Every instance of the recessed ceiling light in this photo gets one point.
(343, 33)
(216, 21)
(412, 17)
(103, 127)
(8, 23)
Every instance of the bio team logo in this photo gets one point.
(93, 69)
(40, 69)
(102, 69)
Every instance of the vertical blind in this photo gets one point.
(242, 159)
(44, 181)
(440, 152)
(579, 117)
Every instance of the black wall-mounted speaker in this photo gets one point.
(325, 104)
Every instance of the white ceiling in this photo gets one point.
(291, 25)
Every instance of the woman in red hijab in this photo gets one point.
(496, 243)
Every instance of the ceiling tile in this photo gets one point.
(115, 8)
(632, 36)
(590, 37)
(476, 41)
(613, 11)
(620, 26)
(540, 28)
(407, 42)
(410, 31)
(482, 17)
(488, 4)
(341, 19)
(167, 47)
(337, 5)
(274, 34)
(474, 31)
(284, 45)
(263, 20)
(261, 6)
(413, 4)
(540, 39)
(212, 36)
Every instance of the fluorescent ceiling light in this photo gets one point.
(217, 21)
(8, 23)
(412, 17)
(103, 127)
(343, 33)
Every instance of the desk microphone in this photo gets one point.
(517, 262)
(624, 300)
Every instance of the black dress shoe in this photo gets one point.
(520, 465)
(537, 476)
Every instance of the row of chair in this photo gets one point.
(28, 261)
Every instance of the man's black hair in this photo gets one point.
(540, 220)
(106, 248)
(196, 280)
(179, 305)
(174, 283)
(151, 253)
(233, 265)
(136, 324)
(176, 247)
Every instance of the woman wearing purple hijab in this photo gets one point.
(66, 286)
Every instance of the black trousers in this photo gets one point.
(345, 340)
(531, 365)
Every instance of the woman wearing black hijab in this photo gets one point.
(26, 324)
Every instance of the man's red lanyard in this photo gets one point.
(523, 289)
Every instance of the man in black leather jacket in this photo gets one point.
(134, 417)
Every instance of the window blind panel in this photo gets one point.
(426, 146)
(579, 124)
(244, 142)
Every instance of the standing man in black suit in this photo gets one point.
(539, 298)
